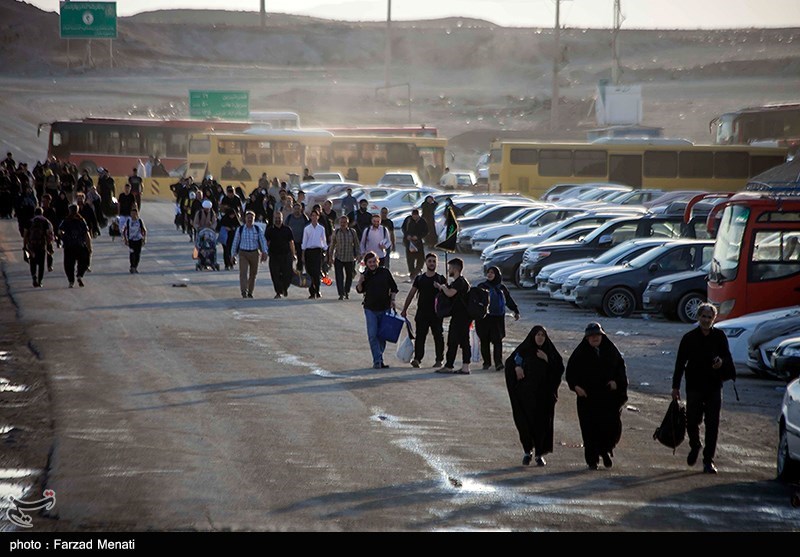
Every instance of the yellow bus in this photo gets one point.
(366, 158)
(244, 157)
(530, 167)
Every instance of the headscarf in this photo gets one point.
(528, 347)
(498, 279)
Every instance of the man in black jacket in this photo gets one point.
(460, 320)
(360, 219)
(379, 289)
(706, 359)
(414, 230)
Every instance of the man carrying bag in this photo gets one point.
(379, 289)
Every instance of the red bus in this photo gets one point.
(117, 144)
(777, 125)
(756, 264)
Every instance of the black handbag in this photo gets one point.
(672, 430)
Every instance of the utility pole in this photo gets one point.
(556, 59)
(263, 13)
(387, 53)
(618, 19)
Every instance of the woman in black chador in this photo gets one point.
(596, 372)
(533, 374)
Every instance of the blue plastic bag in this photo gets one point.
(390, 327)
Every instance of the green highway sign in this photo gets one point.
(88, 20)
(228, 105)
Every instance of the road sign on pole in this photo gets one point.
(229, 105)
(88, 20)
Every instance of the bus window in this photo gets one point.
(776, 254)
(591, 163)
(199, 146)
(229, 147)
(731, 164)
(555, 162)
(696, 164)
(318, 157)
(729, 242)
(661, 164)
(761, 163)
(177, 145)
(345, 153)
(155, 143)
(374, 154)
(130, 142)
(524, 156)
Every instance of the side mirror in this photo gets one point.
(653, 267)
(605, 239)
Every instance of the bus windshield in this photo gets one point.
(728, 247)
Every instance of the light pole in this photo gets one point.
(556, 56)
(387, 53)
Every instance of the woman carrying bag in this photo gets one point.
(491, 330)
(533, 375)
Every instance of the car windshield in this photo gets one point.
(516, 215)
(479, 210)
(396, 179)
(614, 253)
(532, 216)
(592, 194)
(617, 196)
(570, 234)
(648, 257)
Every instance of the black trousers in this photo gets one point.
(458, 336)
(345, 271)
(490, 333)
(73, 255)
(422, 323)
(298, 250)
(36, 260)
(415, 260)
(136, 252)
(227, 257)
(314, 269)
(700, 405)
(280, 270)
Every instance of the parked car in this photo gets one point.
(670, 196)
(328, 177)
(465, 179)
(482, 168)
(786, 358)
(319, 192)
(677, 296)
(608, 235)
(491, 213)
(400, 178)
(561, 192)
(765, 340)
(617, 291)
(788, 458)
(551, 278)
(546, 233)
(739, 329)
(593, 197)
(637, 197)
(557, 192)
(538, 218)
(401, 199)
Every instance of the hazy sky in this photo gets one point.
(689, 14)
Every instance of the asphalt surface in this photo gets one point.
(187, 407)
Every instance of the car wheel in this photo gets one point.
(687, 307)
(619, 302)
(787, 469)
(518, 276)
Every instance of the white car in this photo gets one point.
(401, 199)
(328, 177)
(739, 329)
(488, 235)
(765, 340)
(788, 461)
(400, 178)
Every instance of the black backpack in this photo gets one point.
(478, 300)
(672, 430)
(37, 235)
(443, 305)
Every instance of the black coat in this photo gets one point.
(533, 398)
(599, 411)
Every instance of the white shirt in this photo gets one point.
(314, 237)
(376, 240)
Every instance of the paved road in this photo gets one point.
(191, 408)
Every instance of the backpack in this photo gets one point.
(37, 235)
(497, 301)
(443, 305)
(672, 430)
(478, 302)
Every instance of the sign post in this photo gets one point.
(227, 105)
(89, 20)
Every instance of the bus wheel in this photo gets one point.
(619, 302)
(687, 307)
(88, 165)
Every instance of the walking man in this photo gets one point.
(126, 201)
(379, 289)
(705, 358)
(426, 311)
(414, 231)
(77, 245)
(458, 331)
(136, 187)
(280, 243)
(248, 244)
(297, 221)
(376, 239)
(344, 252)
(387, 223)
(134, 235)
(38, 242)
(313, 245)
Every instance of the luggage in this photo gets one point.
(390, 327)
(672, 430)
(405, 349)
